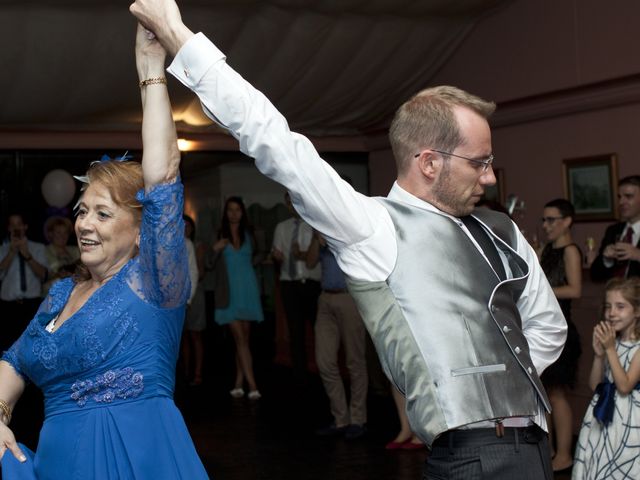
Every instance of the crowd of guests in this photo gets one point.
(314, 291)
(608, 442)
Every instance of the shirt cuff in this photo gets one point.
(194, 59)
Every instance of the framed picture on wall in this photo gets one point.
(590, 183)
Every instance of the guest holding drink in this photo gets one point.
(561, 261)
(619, 254)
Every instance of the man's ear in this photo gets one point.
(138, 240)
(428, 164)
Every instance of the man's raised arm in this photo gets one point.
(329, 204)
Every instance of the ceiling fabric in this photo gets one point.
(333, 67)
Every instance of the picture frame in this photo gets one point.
(590, 184)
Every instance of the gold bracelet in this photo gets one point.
(6, 411)
(152, 81)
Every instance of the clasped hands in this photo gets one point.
(622, 251)
(604, 338)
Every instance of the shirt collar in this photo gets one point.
(635, 226)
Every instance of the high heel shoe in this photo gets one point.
(254, 395)
(237, 392)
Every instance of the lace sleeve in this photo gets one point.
(160, 274)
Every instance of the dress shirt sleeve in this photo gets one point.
(4, 249)
(543, 323)
(349, 220)
(278, 238)
(39, 252)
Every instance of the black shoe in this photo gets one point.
(332, 430)
(354, 432)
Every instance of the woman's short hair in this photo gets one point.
(123, 180)
(52, 222)
(565, 207)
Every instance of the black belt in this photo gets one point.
(484, 436)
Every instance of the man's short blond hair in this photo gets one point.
(427, 120)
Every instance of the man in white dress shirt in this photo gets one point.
(299, 285)
(23, 269)
(461, 314)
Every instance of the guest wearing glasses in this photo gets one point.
(561, 261)
(456, 303)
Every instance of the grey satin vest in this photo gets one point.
(448, 334)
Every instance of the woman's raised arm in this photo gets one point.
(160, 155)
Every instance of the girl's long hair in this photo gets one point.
(243, 227)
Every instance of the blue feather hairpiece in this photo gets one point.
(104, 158)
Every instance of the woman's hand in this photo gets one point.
(8, 442)
(220, 244)
(150, 55)
(606, 335)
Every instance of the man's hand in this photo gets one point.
(277, 255)
(162, 17)
(626, 251)
(610, 252)
(19, 244)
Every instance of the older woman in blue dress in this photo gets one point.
(104, 343)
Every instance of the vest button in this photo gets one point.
(494, 309)
(530, 370)
(517, 349)
(506, 329)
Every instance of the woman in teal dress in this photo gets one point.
(242, 303)
(104, 343)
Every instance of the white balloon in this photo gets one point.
(58, 188)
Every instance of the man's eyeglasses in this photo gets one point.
(484, 162)
(550, 219)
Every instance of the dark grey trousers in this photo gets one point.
(521, 454)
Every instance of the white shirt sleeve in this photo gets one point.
(543, 323)
(39, 252)
(349, 220)
(4, 250)
(278, 238)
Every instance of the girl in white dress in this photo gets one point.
(609, 442)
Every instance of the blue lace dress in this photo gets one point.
(108, 372)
